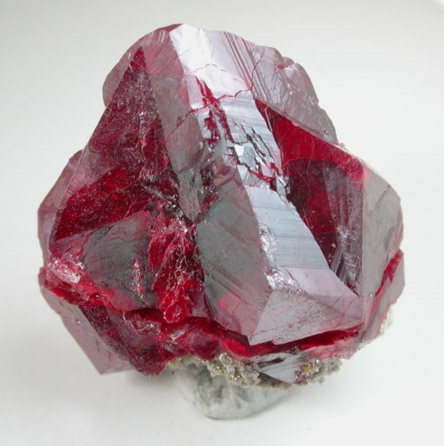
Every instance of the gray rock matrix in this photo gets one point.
(227, 389)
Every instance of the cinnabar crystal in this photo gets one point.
(213, 211)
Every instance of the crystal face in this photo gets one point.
(213, 211)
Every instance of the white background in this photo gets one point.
(378, 69)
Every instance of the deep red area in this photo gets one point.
(145, 339)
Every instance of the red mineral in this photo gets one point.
(213, 211)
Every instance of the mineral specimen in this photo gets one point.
(213, 212)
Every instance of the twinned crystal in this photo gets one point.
(214, 212)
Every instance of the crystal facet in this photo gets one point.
(213, 212)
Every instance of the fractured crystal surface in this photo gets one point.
(213, 211)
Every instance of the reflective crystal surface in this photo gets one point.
(213, 211)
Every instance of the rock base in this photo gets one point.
(217, 397)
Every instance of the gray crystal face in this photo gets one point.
(290, 278)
